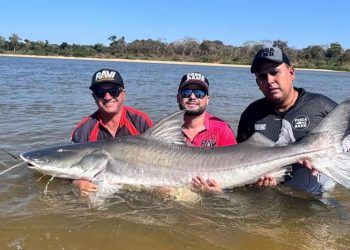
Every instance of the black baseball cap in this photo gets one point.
(196, 78)
(269, 53)
(106, 76)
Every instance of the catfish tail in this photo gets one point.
(334, 131)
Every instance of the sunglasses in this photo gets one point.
(114, 92)
(198, 93)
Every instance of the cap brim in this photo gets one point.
(202, 84)
(96, 85)
(261, 66)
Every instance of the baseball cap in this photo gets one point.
(274, 54)
(196, 78)
(106, 76)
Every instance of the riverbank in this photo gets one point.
(148, 61)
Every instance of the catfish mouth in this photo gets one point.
(84, 166)
(30, 163)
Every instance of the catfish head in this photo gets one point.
(73, 161)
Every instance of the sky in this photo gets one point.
(300, 22)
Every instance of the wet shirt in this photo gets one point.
(216, 133)
(287, 127)
(91, 128)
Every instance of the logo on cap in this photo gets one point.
(267, 52)
(105, 75)
(195, 76)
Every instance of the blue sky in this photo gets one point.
(301, 23)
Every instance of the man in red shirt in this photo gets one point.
(200, 128)
(112, 119)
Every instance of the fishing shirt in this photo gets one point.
(216, 133)
(91, 128)
(287, 127)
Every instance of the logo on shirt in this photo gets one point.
(208, 143)
(301, 122)
(260, 127)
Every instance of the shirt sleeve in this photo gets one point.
(81, 132)
(73, 137)
(78, 136)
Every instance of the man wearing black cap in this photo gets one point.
(200, 128)
(286, 114)
(112, 119)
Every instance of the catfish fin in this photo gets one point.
(168, 129)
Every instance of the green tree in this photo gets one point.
(346, 56)
(64, 46)
(315, 52)
(98, 47)
(14, 40)
(2, 43)
(211, 47)
(27, 44)
(190, 47)
(112, 38)
(118, 46)
(334, 52)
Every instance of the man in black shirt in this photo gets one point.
(286, 114)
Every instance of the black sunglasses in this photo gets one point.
(114, 92)
(198, 93)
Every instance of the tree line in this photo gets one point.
(332, 56)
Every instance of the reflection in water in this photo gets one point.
(38, 215)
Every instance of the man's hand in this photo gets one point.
(209, 185)
(266, 181)
(86, 187)
(307, 163)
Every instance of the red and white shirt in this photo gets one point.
(216, 133)
(91, 128)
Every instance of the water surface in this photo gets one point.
(43, 99)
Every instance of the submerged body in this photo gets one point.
(159, 157)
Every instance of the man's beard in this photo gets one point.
(192, 112)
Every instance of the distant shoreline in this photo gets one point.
(150, 61)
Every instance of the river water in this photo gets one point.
(41, 100)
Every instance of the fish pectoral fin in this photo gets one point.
(92, 163)
(168, 129)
